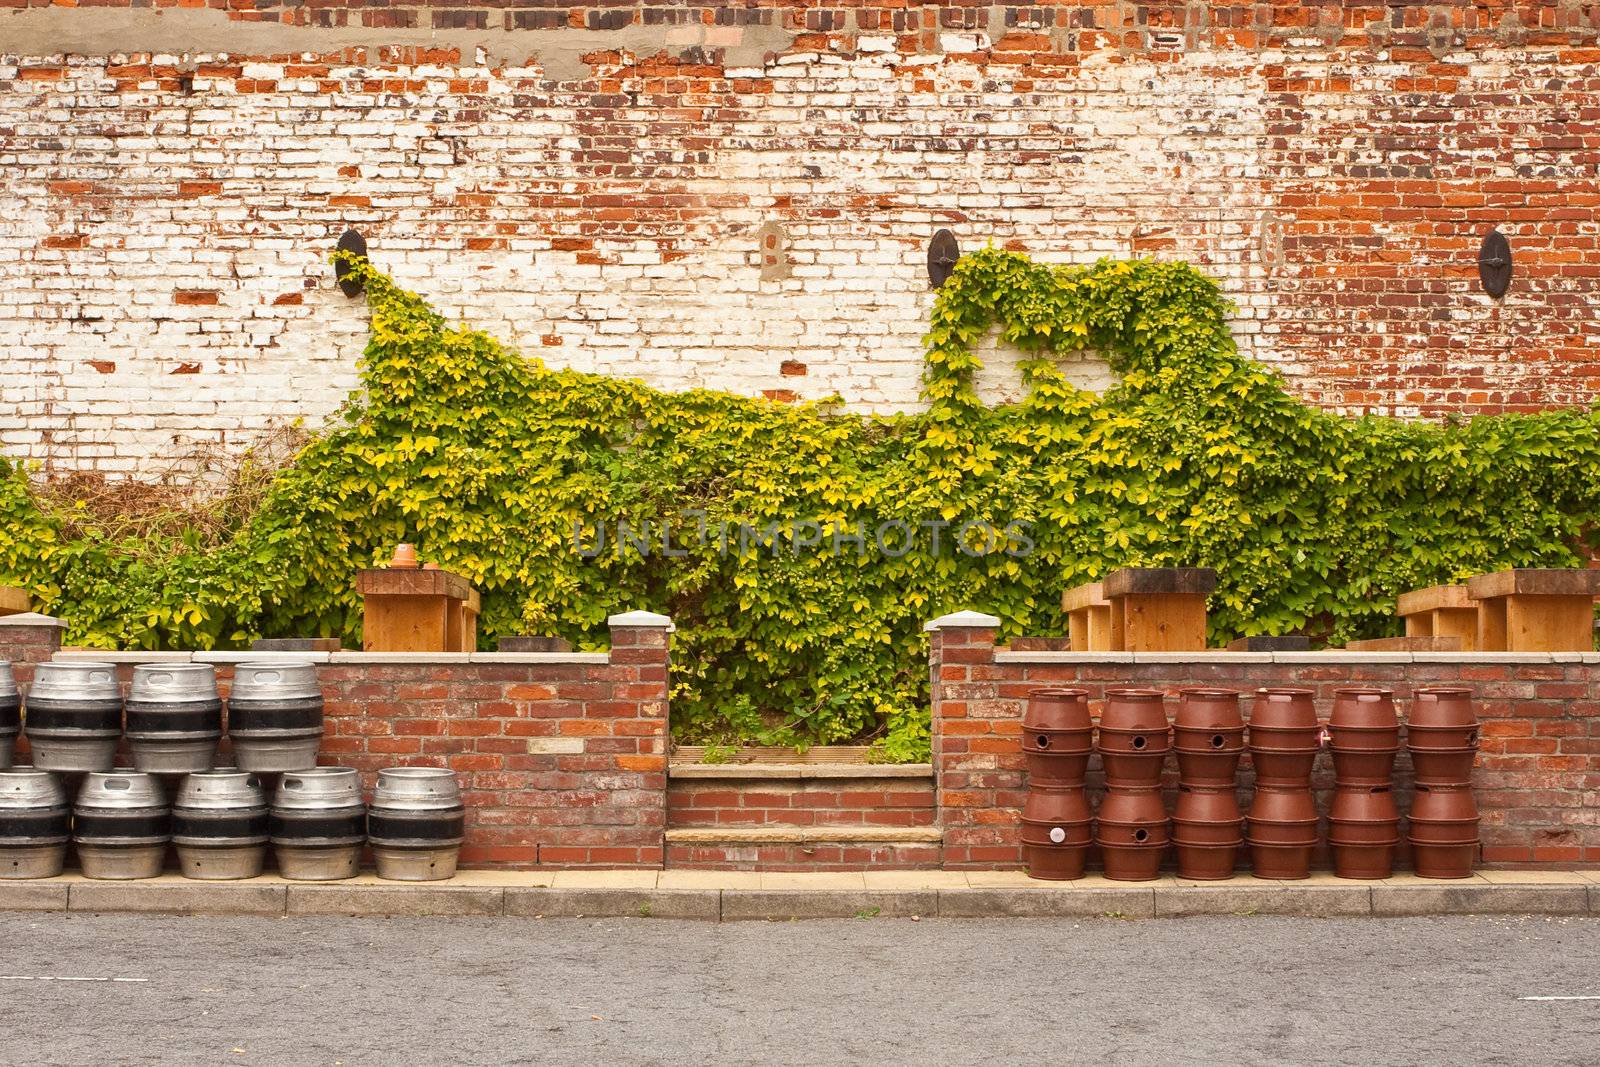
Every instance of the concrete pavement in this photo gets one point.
(732, 895)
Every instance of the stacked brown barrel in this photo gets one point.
(1363, 822)
(1206, 824)
(1284, 738)
(1442, 735)
(1131, 827)
(1057, 736)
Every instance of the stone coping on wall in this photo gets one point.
(736, 895)
(1330, 658)
(335, 658)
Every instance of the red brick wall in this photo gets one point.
(562, 764)
(1537, 777)
(592, 185)
(824, 802)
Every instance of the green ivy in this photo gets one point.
(487, 460)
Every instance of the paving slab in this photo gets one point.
(709, 880)
(1263, 898)
(393, 898)
(779, 904)
(604, 879)
(1468, 897)
(1124, 901)
(1534, 877)
(898, 880)
(604, 902)
(179, 895)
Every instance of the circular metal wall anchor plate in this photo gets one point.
(356, 245)
(943, 251)
(1494, 264)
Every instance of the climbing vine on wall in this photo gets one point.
(810, 631)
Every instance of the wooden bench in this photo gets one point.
(1441, 611)
(14, 601)
(1159, 609)
(1408, 644)
(417, 611)
(1089, 619)
(1535, 610)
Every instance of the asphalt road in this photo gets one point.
(879, 991)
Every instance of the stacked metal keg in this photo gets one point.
(10, 715)
(221, 822)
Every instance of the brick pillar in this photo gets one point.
(641, 651)
(976, 759)
(27, 639)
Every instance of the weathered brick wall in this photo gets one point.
(589, 182)
(1537, 778)
(561, 758)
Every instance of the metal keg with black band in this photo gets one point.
(35, 823)
(121, 825)
(72, 716)
(219, 824)
(318, 824)
(174, 717)
(275, 716)
(416, 823)
(10, 714)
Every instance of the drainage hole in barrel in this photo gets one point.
(1217, 740)
(1141, 835)
(1138, 742)
(1043, 742)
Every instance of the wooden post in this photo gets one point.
(1160, 609)
(417, 611)
(1088, 618)
(1441, 611)
(1535, 610)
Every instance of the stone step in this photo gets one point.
(797, 771)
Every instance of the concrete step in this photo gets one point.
(804, 848)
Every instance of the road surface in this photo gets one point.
(83, 990)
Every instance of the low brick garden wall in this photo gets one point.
(564, 756)
(1537, 777)
(561, 756)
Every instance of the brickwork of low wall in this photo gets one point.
(1537, 778)
(561, 756)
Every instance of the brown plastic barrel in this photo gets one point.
(1056, 833)
(1134, 737)
(1284, 736)
(1443, 832)
(1208, 735)
(1207, 830)
(1442, 735)
(1363, 832)
(1132, 831)
(1281, 830)
(1057, 736)
(1364, 735)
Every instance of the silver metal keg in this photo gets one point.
(416, 824)
(275, 716)
(318, 823)
(174, 717)
(10, 714)
(34, 823)
(72, 716)
(121, 824)
(219, 823)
